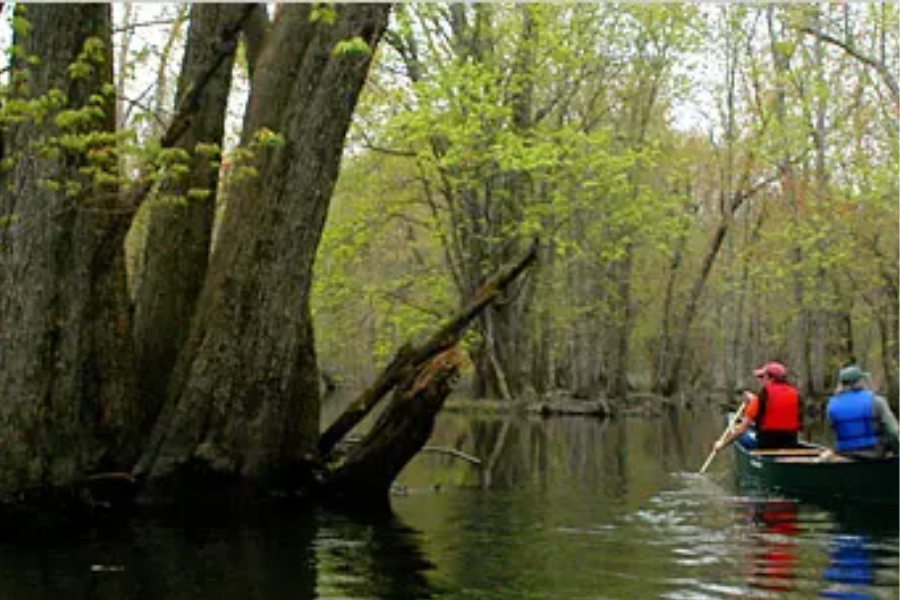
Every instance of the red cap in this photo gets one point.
(772, 369)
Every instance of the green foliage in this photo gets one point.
(92, 55)
(561, 121)
(373, 288)
(354, 47)
(266, 138)
(485, 125)
(323, 13)
(77, 132)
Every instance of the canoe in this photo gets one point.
(799, 472)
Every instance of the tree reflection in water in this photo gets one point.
(374, 557)
(572, 508)
(275, 556)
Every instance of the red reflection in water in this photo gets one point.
(773, 558)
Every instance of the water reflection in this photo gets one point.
(773, 552)
(164, 560)
(579, 509)
(850, 568)
(289, 556)
(632, 511)
(378, 559)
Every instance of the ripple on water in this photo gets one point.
(731, 546)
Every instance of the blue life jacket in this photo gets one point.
(852, 415)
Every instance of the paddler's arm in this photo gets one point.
(885, 416)
(747, 420)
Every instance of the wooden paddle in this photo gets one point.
(725, 433)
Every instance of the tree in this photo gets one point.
(244, 393)
(242, 406)
(672, 242)
(65, 348)
(180, 217)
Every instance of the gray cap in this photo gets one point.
(852, 374)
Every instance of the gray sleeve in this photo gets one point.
(884, 415)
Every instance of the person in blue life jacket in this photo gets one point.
(863, 424)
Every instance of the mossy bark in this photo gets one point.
(245, 390)
(65, 347)
(179, 221)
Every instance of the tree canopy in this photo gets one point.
(716, 186)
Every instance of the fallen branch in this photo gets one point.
(410, 358)
(365, 477)
(435, 449)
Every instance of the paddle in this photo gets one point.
(725, 433)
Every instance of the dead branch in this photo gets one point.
(365, 476)
(454, 453)
(409, 358)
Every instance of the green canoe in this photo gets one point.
(799, 472)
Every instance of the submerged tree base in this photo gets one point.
(420, 377)
(93, 499)
(367, 473)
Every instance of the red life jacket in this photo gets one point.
(780, 409)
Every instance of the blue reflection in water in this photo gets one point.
(850, 564)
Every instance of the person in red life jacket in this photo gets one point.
(774, 413)
(863, 424)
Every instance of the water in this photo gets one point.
(560, 508)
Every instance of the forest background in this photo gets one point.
(715, 186)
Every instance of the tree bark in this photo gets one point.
(179, 228)
(401, 431)
(65, 347)
(245, 399)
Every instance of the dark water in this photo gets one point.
(559, 509)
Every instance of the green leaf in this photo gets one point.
(354, 47)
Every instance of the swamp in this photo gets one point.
(412, 300)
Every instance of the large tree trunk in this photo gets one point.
(65, 346)
(179, 228)
(245, 393)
